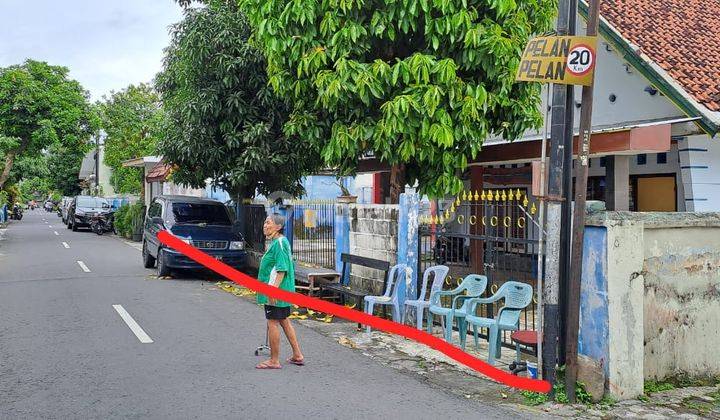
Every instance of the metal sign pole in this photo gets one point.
(541, 238)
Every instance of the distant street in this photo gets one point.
(87, 332)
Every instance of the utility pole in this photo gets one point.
(551, 285)
(566, 220)
(97, 164)
(581, 175)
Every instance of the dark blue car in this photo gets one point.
(205, 224)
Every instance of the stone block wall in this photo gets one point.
(373, 234)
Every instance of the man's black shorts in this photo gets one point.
(277, 312)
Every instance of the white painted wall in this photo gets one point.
(681, 305)
(700, 166)
(613, 76)
(171, 188)
(105, 173)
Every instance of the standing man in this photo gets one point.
(277, 269)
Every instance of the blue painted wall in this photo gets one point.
(594, 333)
(322, 187)
(216, 193)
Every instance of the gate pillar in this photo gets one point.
(476, 246)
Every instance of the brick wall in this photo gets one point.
(373, 234)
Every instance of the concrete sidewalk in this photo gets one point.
(438, 370)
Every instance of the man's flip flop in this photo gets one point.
(300, 362)
(264, 365)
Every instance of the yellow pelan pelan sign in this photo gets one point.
(568, 60)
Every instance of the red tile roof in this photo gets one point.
(681, 36)
(159, 173)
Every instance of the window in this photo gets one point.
(603, 161)
(200, 213)
(95, 202)
(661, 158)
(642, 159)
(155, 210)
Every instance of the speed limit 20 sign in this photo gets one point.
(566, 60)
(581, 59)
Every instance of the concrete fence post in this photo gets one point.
(408, 242)
(342, 233)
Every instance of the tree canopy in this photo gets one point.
(223, 120)
(40, 106)
(64, 164)
(419, 83)
(132, 121)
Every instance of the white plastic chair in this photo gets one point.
(398, 273)
(420, 304)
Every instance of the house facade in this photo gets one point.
(656, 111)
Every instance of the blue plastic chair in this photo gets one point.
(398, 273)
(473, 285)
(439, 273)
(517, 296)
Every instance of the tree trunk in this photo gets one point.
(10, 160)
(397, 182)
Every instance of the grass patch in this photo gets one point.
(702, 407)
(535, 398)
(607, 402)
(651, 387)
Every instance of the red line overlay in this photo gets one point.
(356, 316)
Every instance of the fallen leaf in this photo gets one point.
(347, 342)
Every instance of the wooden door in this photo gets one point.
(656, 194)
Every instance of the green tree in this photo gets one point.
(132, 120)
(33, 189)
(224, 122)
(40, 106)
(64, 163)
(419, 83)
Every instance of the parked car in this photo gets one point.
(82, 208)
(205, 224)
(64, 206)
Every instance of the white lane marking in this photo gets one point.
(134, 327)
(50, 226)
(83, 266)
(56, 234)
(65, 244)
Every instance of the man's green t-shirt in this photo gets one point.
(278, 256)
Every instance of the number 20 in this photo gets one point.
(581, 57)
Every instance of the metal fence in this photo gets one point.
(314, 232)
(492, 232)
(254, 216)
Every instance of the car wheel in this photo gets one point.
(69, 226)
(162, 269)
(74, 226)
(148, 260)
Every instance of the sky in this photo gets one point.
(106, 44)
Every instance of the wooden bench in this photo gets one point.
(342, 288)
(310, 278)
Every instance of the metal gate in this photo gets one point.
(490, 232)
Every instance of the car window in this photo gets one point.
(155, 210)
(91, 202)
(195, 213)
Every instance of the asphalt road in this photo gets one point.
(65, 352)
